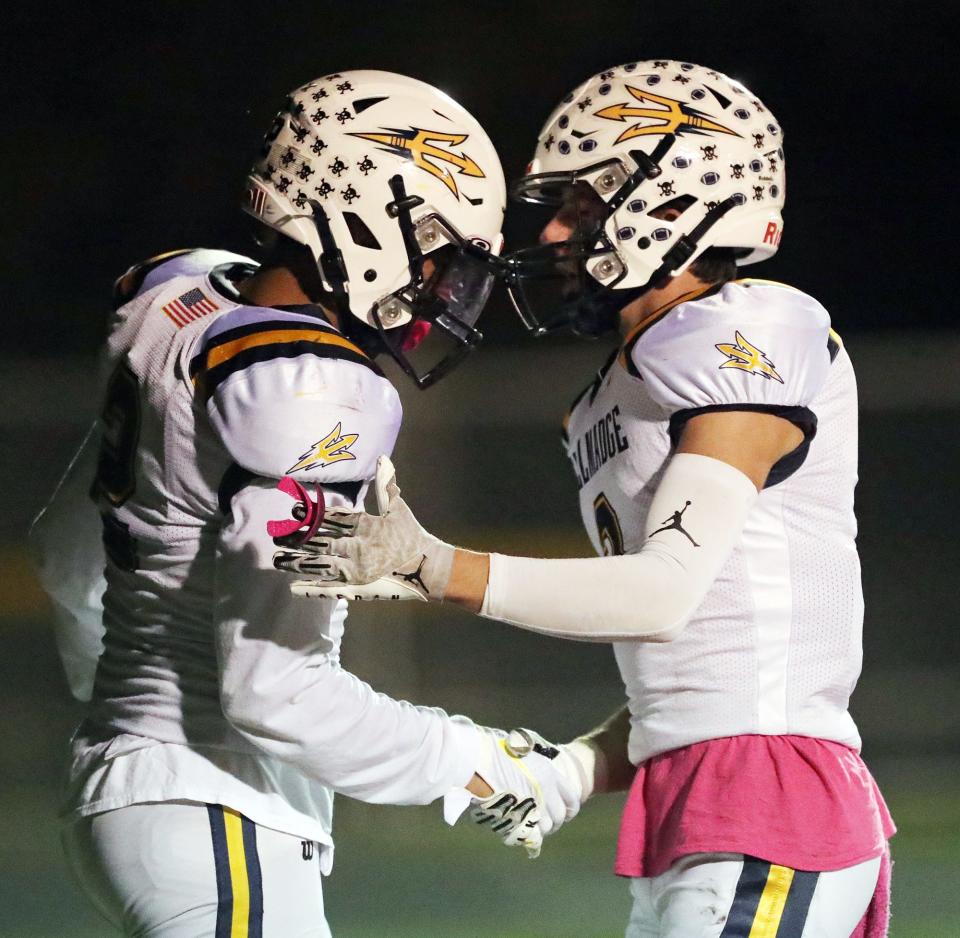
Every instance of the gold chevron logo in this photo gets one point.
(332, 448)
(747, 357)
(670, 115)
(419, 145)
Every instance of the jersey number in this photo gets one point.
(120, 420)
(608, 526)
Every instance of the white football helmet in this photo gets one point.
(376, 173)
(643, 136)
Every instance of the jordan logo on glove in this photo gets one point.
(415, 577)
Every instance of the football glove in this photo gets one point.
(358, 556)
(522, 767)
(576, 759)
(516, 821)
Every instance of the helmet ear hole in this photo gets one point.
(360, 232)
(674, 208)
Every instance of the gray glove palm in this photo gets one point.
(359, 556)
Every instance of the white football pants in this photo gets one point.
(186, 870)
(728, 895)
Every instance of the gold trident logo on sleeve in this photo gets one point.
(745, 356)
(334, 447)
(419, 146)
(672, 117)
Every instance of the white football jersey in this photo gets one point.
(775, 647)
(215, 684)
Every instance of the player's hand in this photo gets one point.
(354, 555)
(515, 820)
(522, 767)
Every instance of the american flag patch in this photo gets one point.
(189, 306)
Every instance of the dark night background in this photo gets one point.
(132, 126)
(128, 129)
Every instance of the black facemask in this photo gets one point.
(443, 307)
(561, 277)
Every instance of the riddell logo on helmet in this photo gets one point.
(256, 199)
(773, 234)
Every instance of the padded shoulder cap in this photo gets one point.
(757, 343)
(289, 395)
(156, 270)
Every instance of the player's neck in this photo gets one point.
(277, 286)
(656, 298)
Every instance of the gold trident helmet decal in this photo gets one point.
(673, 117)
(418, 145)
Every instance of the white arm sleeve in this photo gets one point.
(67, 546)
(284, 691)
(695, 520)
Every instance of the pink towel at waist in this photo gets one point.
(806, 803)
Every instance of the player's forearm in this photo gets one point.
(695, 520)
(285, 692)
(612, 769)
(337, 730)
(468, 579)
(549, 596)
(642, 597)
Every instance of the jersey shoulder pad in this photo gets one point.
(289, 395)
(156, 270)
(752, 344)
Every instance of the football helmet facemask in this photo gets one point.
(399, 195)
(619, 150)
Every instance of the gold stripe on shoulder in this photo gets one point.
(166, 255)
(223, 353)
(836, 337)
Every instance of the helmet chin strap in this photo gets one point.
(331, 264)
(377, 339)
(334, 272)
(598, 309)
